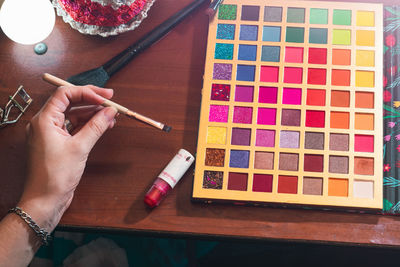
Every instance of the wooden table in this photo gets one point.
(163, 83)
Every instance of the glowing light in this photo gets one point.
(27, 21)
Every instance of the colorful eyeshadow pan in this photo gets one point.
(273, 14)
(318, 16)
(215, 157)
(262, 183)
(294, 54)
(295, 15)
(264, 160)
(237, 181)
(248, 33)
(244, 93)
(294, 34)
(226, 31)
(270, 53)
(291, 112)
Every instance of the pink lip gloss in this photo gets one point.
(168, 178)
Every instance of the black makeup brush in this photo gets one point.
(99, 76)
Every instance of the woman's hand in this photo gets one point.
(58, 158)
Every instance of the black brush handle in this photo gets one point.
(120, 60)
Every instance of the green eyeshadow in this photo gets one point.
(295, 15)
(227, 12)
(318, 16)
(341, 17)
(295, 34)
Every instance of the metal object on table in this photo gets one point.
(15, 107)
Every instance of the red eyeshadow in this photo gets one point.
(293, 75)
(317, 55)
(315, 118)
(316, 76)
(237, 181)
(287, 184)
(262, 183)
(220, 92)
(313, 163)
(315, 97)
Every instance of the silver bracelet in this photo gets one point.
(40, 232)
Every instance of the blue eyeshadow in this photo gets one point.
(245, 73)
(248, 32)
(271, 34)
(223, 51)
(239, 159)
(247, 52)
(226, 31)
(318, 36)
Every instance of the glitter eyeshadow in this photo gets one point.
(213, 179)
(227, 12)
(220, 92)
(215, 157)
(226, 31)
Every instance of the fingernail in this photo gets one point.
(110, 113)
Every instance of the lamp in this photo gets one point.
(27, 21)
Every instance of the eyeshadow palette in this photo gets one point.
(291, 107)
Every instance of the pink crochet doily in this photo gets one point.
(103, 17)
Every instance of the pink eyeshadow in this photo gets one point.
(266, 116)
(218, 113)
(294, 54)
(291, 96)
(244, 93)
(265, 138)
(293, 75)
(269, 74)
(268, 95)
(242, 114)
(363, 143)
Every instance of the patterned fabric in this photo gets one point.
(391, 111)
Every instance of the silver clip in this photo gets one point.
(15, 107)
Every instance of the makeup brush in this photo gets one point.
(108, 103)
(99, 76)
(213, 7)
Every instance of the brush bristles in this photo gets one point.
(167, 128)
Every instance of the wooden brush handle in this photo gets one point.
(60, 82)
(107, 103)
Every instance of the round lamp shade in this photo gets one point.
(27, 21)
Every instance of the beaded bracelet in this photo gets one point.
(40, 232)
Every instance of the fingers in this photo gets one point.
(95, 127)
(67, 95)
(80, 115)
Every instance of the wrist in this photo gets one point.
(43, 213)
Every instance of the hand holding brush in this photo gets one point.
(108, 103)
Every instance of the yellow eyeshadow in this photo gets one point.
(341, 37)
(365, 78)
(365, 58)
(365, 18)
(216, 135)
(365, 38)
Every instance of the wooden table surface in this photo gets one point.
(163, 83)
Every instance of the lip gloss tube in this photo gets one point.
(168, 178)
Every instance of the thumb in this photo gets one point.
(95, 127)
